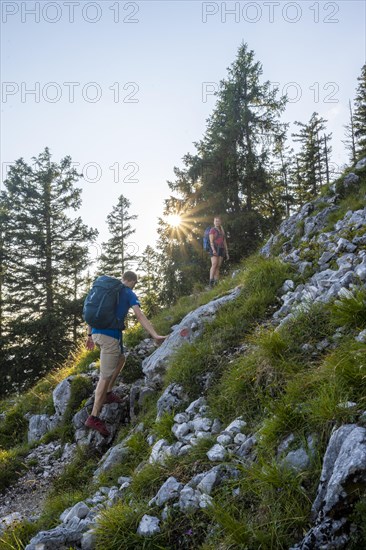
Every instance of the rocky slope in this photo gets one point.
(330, 258)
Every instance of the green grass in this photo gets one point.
(13, 429)
(257, 379)
(116, 529)
(277, 385)
(358, 518)
(270, 511)
(350, 310)
(16, 537)
(237, 392)
(260, 282)
(132, 370)
(162, 429)
(147, 482)
(12, 465)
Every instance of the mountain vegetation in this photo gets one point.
(251, 393)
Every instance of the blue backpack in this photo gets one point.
(206, 239)
(100, 305)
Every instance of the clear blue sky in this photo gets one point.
(138, 71)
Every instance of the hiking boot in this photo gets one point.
(112, 398)
(97, 424)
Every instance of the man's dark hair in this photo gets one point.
(129, 276)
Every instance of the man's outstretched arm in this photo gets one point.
(89, 341)
(140, 316)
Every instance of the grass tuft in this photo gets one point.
(117, 526)
(350, 310)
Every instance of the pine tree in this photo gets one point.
(313, 158)
(118, 253)
(40, 244)
(5, 224)
(350, 141)
(73, 286)
(149, 281)
(360, 115)
(281, 196)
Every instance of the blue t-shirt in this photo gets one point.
(127, 299)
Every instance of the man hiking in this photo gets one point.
(112, 358)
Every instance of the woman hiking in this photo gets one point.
(218, 250)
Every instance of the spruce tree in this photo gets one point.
(360, 115)
(40, 282)
(350, 141)
(4, 263)
(313, 158)
(281, 196)
(118, 253)
(244, 120)
(149, 281)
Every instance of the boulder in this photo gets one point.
(10, 520)
(195, 405)
(298, 460)
(168, 491)
(351, 180)
(187, 330)
(148, 526)
(61, 395)
(79, 510)
(172, 398)
(344, 470)
(236, 426)
(88, 540)
(361, 164)
(159, 451)
(189, 499)
(115, 455)
(217, 453)
(39, 425)
(209, 481)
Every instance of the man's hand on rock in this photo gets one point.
(160, 339)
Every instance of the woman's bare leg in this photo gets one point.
(217, 270)
(214, 263)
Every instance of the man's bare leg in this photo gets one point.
(100, 395)
(104, 386)
(117, 370)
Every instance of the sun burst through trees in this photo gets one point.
(174, 220)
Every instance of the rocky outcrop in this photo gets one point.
(113, 414)
(342, 480)
(334, 260)
(41, 424)
(191, 326)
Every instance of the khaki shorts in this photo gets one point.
(110, 353)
